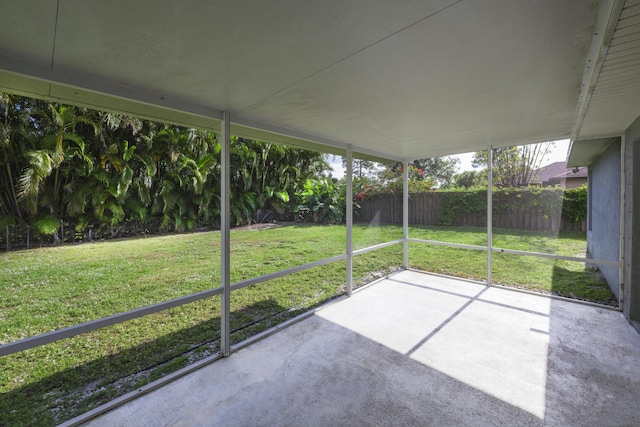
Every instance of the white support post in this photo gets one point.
(349, 220)
(405, 215)
(623, 207)
(225, 225)
(489, 216)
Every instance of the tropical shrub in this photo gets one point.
(322, 201)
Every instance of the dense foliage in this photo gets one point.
(570, 204)
(68, 165)
(322, 201)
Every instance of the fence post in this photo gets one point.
(8, 244)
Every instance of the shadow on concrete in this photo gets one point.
(294, 379)
(418, 349)
(592, 375)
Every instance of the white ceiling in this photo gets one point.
(396, 79)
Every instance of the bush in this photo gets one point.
(322, 201)
(543, 200)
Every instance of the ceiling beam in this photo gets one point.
(37, 81)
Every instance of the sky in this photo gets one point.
(558, 153)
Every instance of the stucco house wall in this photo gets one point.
(631, 302)
(603, 215)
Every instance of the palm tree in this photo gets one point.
(13, 125)
(56, 168)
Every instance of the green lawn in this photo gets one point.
(50, 288)
(565, 278)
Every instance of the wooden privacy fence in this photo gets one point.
(431, 209)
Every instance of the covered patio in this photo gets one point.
(417, 349)
(387, 83)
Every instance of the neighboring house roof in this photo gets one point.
(555, 172)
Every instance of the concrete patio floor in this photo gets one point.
(417, 349)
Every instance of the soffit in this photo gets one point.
(613, 101)
(585, 152)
